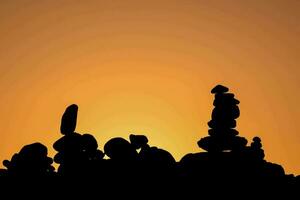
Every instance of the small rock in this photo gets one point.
(219, 89)
(138, 141)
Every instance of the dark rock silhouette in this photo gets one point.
(256, 149)
(149, 154)
(228, 159)
(76, 152)
(120, 149)
(154, 161)
(223, 136)
(32, 160)
(149, 162)
(69, 120)
(138, 141)
(227, 166)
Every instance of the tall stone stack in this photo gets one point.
(76, 152)
(223, 135)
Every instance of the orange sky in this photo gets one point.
(147, 67)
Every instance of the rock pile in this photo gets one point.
(223, 136)
(32, 160)
(76, 152)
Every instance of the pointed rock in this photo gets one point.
(69, 120)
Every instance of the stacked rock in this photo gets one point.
(151, 155)
(256, 149)
(155, 162)
(32, 160)
(75, 151)
(223, 136)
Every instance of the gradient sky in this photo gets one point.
(147, 67)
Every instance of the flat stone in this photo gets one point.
(222, 124)
(219, 89)
(225, 99)
(216, 132)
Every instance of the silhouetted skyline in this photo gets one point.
(228, 159)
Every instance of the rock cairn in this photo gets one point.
(76, 152)
(222, 133)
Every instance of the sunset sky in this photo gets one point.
(147, 67)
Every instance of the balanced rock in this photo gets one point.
(223, 136)
(69, 120)
(219, 89)
(256, 149)
(75, 151)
